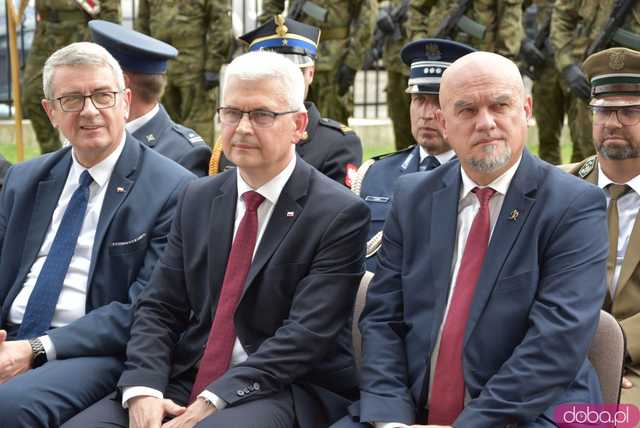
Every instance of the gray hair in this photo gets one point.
(260, 65)
(81, 53)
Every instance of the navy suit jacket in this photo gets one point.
(176, 142)
(534, 311)
(132, 233)
(293, 318)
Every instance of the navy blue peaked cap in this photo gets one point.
(297, 41)
(136, 52)
(428, 59)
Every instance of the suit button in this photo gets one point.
(240, 393)
(256, 386)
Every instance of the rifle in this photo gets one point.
(308, 7)
(616, 19)
(541, 43)
(464, 23)
(389, 24)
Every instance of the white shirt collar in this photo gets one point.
(101, 172)
(139, 122)
(442, 157)
(500, 184)
(271, 189)
(604, 181)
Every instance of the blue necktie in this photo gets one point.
(429, 163)
(44, 297)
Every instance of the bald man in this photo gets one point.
(490, 276)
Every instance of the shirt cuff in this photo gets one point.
(389, 425)
(214, 399)
(130, 392)
(49, 349)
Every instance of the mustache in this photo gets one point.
(486, 138)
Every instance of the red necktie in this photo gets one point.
(447, 390)
(217, 354)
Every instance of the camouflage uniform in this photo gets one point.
(575, 25)
(397, 75)
(201, 31)
(502, 19)
(60, 22)
(346, 36)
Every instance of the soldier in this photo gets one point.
(201, 31)
(615, 102)
(576, 28)
(144, 62)
(549, 101)
(347, 28)
(329, 146)
(58, 23)
(376, 178)
(488, 25)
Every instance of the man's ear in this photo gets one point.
(300, 119)
(528, 106)
(48, 106)
(441, 121)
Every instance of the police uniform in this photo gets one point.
(613, 72)
(375, 181)
(331, 147)
(139, 53)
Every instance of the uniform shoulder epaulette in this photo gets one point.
(581, 169)
(216, 154)
(397, 152)
(189, 134)
(344, 129)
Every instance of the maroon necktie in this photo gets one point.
(447, 391)
(217, 355)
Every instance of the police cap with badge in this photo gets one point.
(136, 52)
(296, 40)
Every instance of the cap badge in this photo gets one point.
(281, 29)
(616, 61)
(432, 51)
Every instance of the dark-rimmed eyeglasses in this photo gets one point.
(75, 103)
(627, 116)
(259, 118)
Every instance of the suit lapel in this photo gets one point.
(519, 199)
(281, 220)
(151, 131)
(118, 188)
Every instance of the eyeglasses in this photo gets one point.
(627, 116)
(100, 100)
(259, 118)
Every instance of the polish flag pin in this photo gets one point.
(290, 213)
(120, 189)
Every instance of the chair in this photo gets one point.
(606, 353)
(361, 298)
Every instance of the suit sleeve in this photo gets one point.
(105, 330)
(197, 159)
(562, 320)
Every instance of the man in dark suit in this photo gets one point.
(332, 148)
(376, 179)
(246, 319)
(490, 277)
(80, 231)
(144, 62)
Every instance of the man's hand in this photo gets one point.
(345, 77)
(626, 383)
(197, 411)
(15, 357)
(148, 412)
(577, 82)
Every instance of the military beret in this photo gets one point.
(295, 40)
(136, 52)
(615, 77)
(428, 59)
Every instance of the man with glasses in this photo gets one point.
(615, 102)
(245, 320)
(80, 231)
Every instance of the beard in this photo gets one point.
(618, 151)
(496, 157)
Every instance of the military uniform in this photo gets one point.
(502, 20)
(201, 31)
(59, 23)
(574, 26)
(347, 28)
(329, 146)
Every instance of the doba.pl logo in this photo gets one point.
(597, 415)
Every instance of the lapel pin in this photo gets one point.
(120, 189)
(514, 215)
(290, 213)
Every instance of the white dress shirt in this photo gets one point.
(139, 122)
(73, 296)
(442, 157)
(628, 206)
(271, 192)
(468, 207)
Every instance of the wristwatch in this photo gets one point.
(38, 354)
